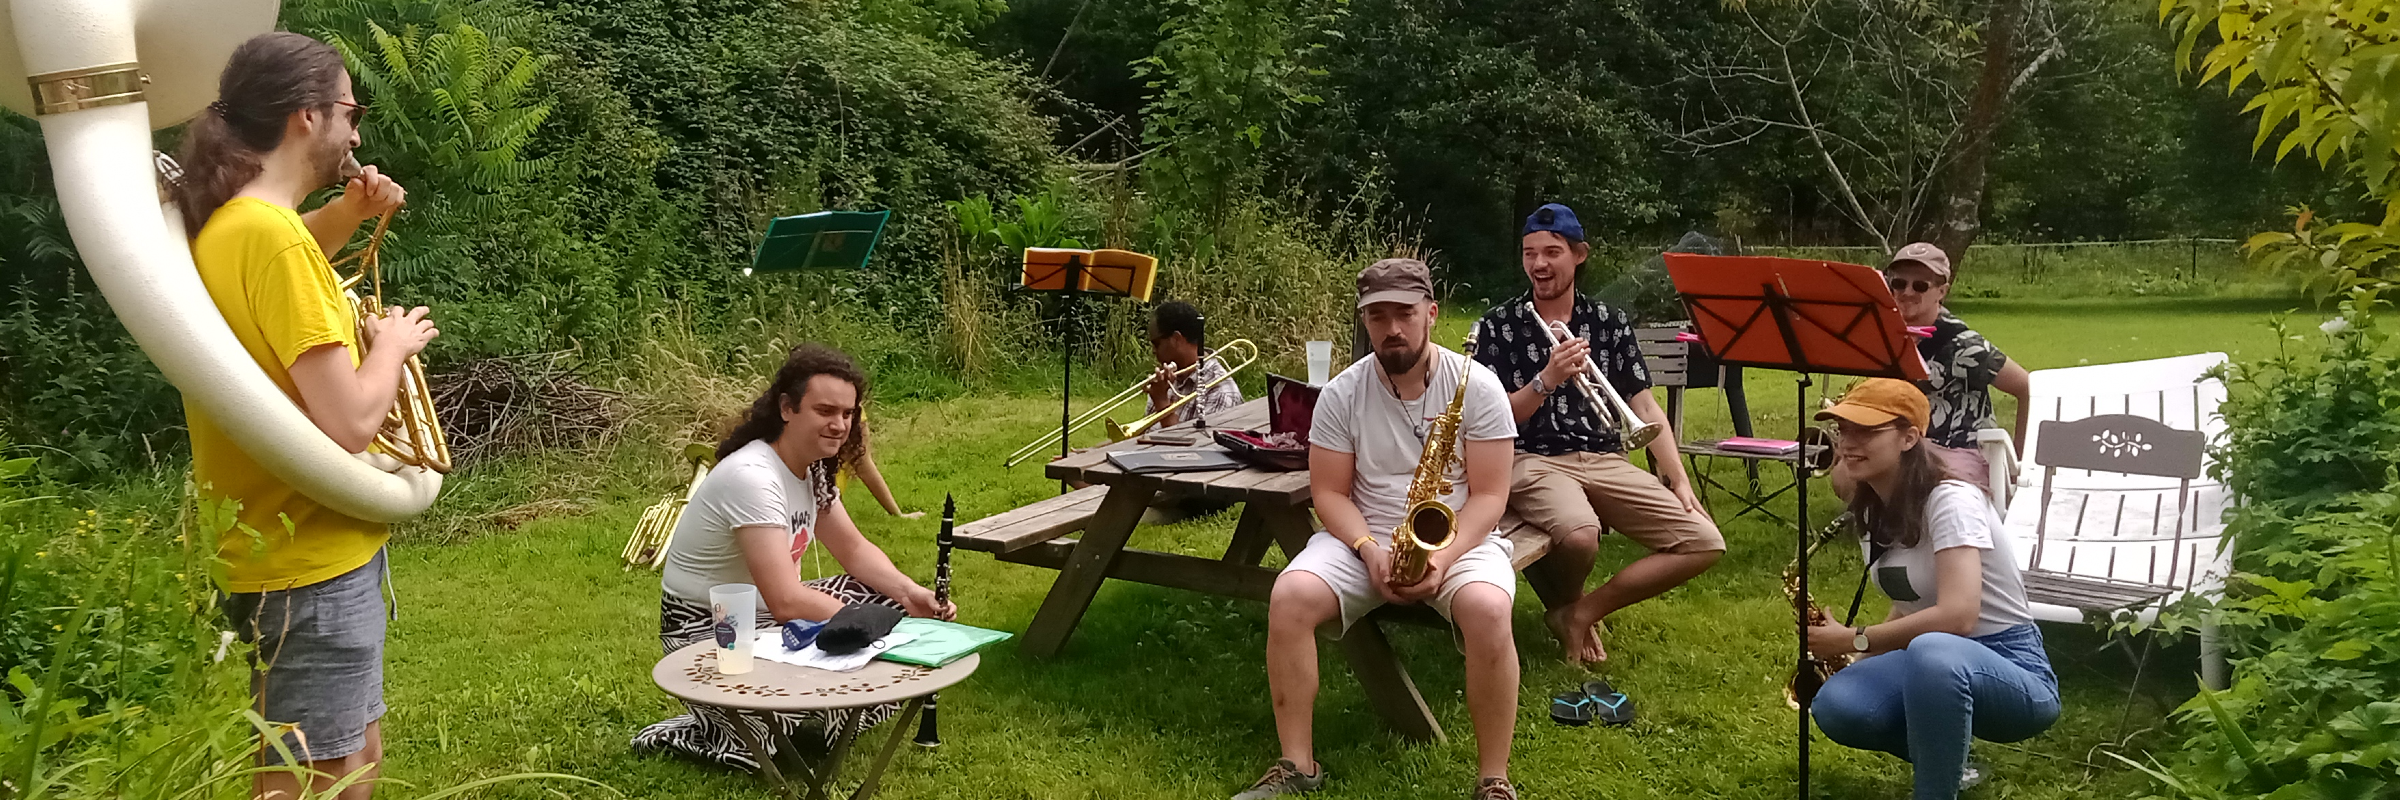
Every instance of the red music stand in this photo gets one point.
(1807, 317)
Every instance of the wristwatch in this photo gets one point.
(1859, 642)
(1539, 387)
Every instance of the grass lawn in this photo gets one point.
(529, 649)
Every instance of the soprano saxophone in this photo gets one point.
(1429, 524)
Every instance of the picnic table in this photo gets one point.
(1275, 511)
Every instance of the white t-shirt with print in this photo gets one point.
(751, 487)
(1357, 413)
(1956, 515)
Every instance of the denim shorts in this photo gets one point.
(318, 664)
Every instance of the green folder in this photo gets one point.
(938, 643)
(823, 240)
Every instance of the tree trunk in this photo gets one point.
(1961, 206)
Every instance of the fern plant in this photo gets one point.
(452, 108)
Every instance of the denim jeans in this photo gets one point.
(1922, 703)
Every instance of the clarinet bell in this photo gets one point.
(929, 732)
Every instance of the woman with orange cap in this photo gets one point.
(1959, 656)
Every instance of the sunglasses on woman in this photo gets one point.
(1901, 285)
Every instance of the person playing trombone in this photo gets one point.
(1178, 337)
(1571, 474)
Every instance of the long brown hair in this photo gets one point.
(1899, 521)
(765, 419)
(269, 78)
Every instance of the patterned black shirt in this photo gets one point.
(1507, 341)
(1960, 366)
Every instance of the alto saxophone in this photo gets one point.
(1430, 525)
(1812, 674)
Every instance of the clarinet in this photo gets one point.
(929, 732)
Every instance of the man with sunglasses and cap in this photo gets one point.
(1571, 473)
(1961, 366)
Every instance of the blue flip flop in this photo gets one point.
(1573, 709)
(1610, 706)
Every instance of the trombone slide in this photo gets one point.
(1101, 411)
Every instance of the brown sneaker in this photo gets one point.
(1494, 789)
(1286, 778)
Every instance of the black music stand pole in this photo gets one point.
(1807, 317)
(1066, 359)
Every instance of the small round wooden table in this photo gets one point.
(691, 674)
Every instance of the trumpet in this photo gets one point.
(1430, 524)
(412, 432)
(648, 546)
(1611, 408)
(1119, 433)
(1097, 413)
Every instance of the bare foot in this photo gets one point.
(1577, 637)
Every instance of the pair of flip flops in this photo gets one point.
(1595, 701)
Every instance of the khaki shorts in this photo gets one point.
(1561, 494)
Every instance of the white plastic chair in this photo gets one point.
(2100, 541)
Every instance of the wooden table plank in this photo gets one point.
(1284, 487)
(1091, 466)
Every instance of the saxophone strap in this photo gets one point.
(1877, 550)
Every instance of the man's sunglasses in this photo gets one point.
(358, 114)
(1901, 285)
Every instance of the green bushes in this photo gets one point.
(2312, 612)
(108, 629)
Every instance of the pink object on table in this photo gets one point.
(1687, 336)
(1755, 445)
(1920, 331)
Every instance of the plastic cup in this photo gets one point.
(1320, 363)
(733, 609)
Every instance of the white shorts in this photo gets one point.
(1340, 567)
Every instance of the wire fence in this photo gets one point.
(2143, 267)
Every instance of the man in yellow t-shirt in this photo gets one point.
(304, 581)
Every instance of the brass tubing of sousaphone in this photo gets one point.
(656, 530)
(412, 432)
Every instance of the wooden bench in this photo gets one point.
(1018, 528)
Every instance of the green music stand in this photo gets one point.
(823, 240)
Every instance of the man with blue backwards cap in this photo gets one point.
(1571, 474)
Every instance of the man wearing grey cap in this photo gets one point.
(1961, 366)
(1365, 441)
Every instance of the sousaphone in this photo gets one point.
(99, 76)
